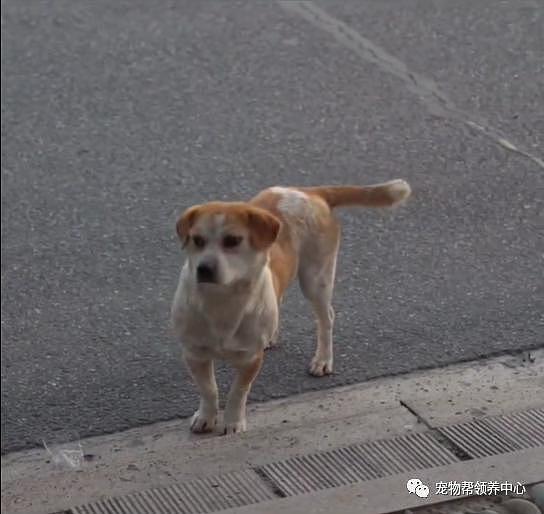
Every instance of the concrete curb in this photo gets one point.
(165, 454)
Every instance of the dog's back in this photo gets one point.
(309, 230)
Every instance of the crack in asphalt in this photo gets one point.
(426, 89)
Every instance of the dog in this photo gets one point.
(241, 257)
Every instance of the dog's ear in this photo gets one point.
(263, 228)
(185, 222)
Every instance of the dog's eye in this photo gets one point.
(199, 241)
(231, 241)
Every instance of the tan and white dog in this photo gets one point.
(241, 258)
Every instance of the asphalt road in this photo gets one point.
(117, 115)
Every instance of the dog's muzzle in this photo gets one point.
(206, 272)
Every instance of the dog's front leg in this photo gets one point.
(235, 410)
(205, 417)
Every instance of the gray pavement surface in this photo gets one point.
(116, 116)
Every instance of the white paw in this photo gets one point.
(273, 341)
(270, 345)
(201, 424)
(234, 427)
(320, 367)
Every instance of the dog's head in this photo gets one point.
(226, 242)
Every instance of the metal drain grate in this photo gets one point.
(197, 497)
(356, 463)
(499, 434)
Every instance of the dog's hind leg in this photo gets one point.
(274, 339)
(316, 275)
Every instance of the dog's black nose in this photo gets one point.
(205, 272)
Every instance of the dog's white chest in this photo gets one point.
(221, 328)
(219, 338)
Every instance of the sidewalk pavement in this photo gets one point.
(348, 450)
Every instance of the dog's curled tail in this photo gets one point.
(387, 194)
